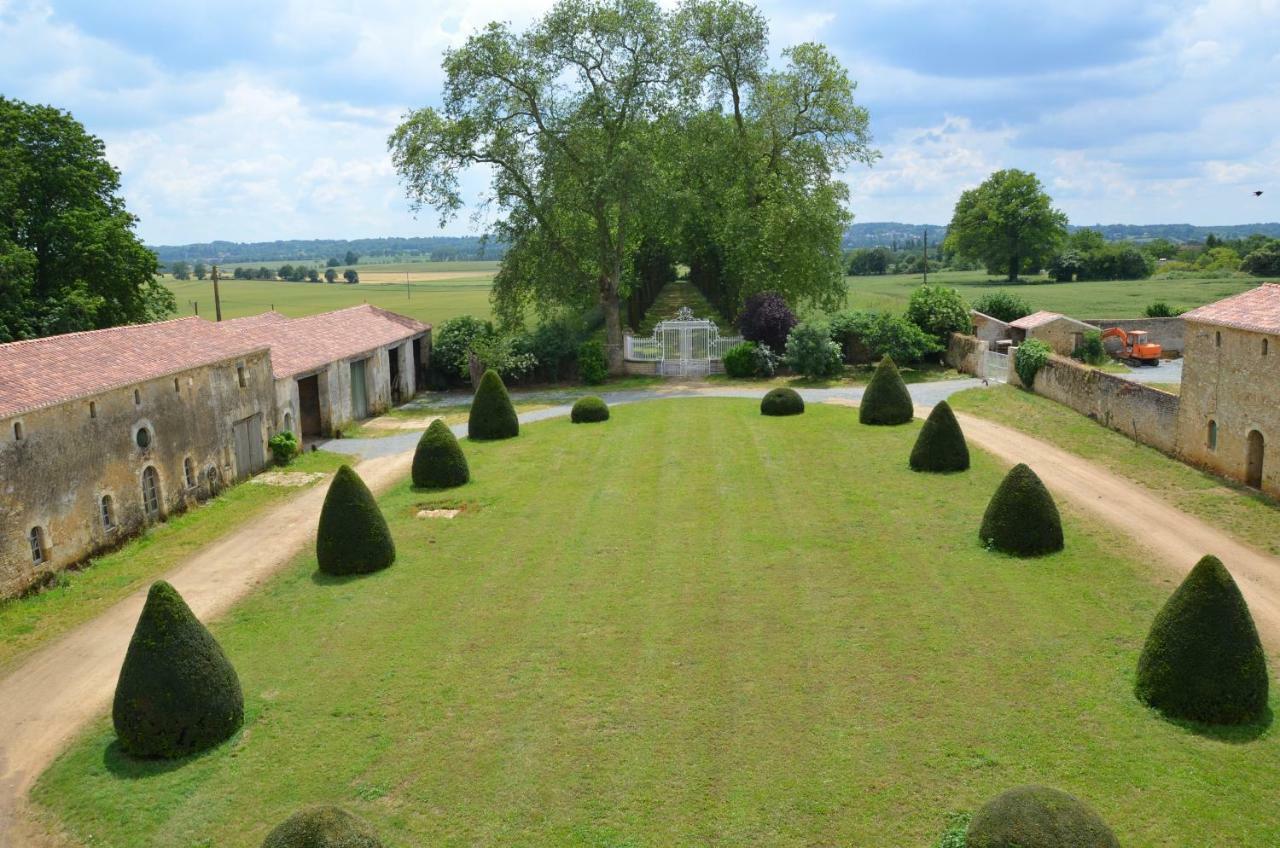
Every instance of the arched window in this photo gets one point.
(1213, 434)
(189, 471)
(288, 422)
(38, 551)
(151, 492)
(143, 438)
(108, 513)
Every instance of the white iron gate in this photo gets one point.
(683, 346)
(995, 366)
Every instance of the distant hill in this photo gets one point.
(370, 250)
(889, 233)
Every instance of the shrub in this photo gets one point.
(177, 693)
(592, 366)
(939, 312)
(740, 360)
(1038, 817)
(1091, 349)
(1160, 309)
(322, 827)
(1030, 358)
(886, 399)
(1263, 262)
(767, 319)
(492, 415)
(352, 537)
(554, 344)
(954, 835)
(871, 336)
(940, 446)
(1202, 660)
(284, 447)
(1003, 306)
(811, 352)
(438, 461)
(589, 410)
(782, 401)
(1022, 518)
(452, 341)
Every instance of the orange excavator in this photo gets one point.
(1134, 345)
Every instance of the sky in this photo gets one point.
(255, 120)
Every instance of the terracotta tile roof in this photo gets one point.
(45, 372)
(1257, 310)
(299, 345)
(1035, 319)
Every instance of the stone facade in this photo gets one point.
(1061, 333)
(990, 330)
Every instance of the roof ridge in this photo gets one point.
(76, 333)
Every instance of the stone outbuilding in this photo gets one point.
(1063, 334)
(1229, 416)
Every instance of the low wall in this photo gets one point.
(1166, 332)
(648, 369)
(1143, 414)
(964, 353)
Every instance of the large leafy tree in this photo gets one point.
(1008, 223)
(69, 257)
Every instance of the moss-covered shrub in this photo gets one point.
(1038, 817)
(322, 827)
(177, 693)
(886, 399)
(782, 401)
(353, 537)
(940, 446)
(1202, 660)
(589, 410)
(492, 415)
(438, 461)
(1022, 518)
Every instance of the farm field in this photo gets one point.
(691, 625)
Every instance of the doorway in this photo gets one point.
(1253, 462)
(248, 441)
(419, 366)
(359, 391)
(393, 357)
(309, 405)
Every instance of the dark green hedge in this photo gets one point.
(322, 827)
(492, 415)
(1038, 817)
(353, 537)
(940, 446)
(1203, 660)
(782, 401)
(438, 461)
(589, 410)
(886, 399)
(1022, 518)
(177, 693)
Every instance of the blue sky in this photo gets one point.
(261, 120)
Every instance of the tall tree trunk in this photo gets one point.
(610, 303)
(1013, 268)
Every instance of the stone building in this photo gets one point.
(104, 432)
(1061, 333)
(1229, 416)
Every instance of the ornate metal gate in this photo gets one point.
(683, 346)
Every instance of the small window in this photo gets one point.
(1266, 343)
(288, 422)
(137, 398)
(38, 552)
(189, 471)
(176, 387)
(17, 431)
(151, 492)
(1217, 339)
(93, 409)
(1213, 434)
(143, 438)
(108, 513)
(240, 376)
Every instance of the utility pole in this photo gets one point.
(926, 255)
(217, 298)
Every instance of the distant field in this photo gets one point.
(1114, 299)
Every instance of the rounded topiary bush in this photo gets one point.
(886, 399)
(322, 827)
(492, 415)
(1038, 817)
(1203, 660)
(438, 461)
(1022, 518)
(589, 410)
(782, 401)
(177, 693)
(353, 537)
(940, 446)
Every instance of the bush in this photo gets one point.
(554, 344)
(177, 693)
(589, 410)
(1091, 349)
(438, 461)
(1003, 306)
(284, 447)
(871, 336)
(1038, 817)
(782, 401)
(592, 366)
(954, 835)
(1202, 660)
(352, 537)
(939, 312)
(1160, 309)
(452, 341)
(1022, 518)
(740, 360)
(1263, 262)
(1030, 358)
(492, 415)
(811, 352)
(886, 399)
(940, 446)
(322, 827)
(767, 319)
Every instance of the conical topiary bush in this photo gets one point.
(940, 446)
(1203, 660)
(782, 401)
(177, 693)
(438, 461)
(886, 399)
(492, 415)
(322, 827)
(1038, 817)
(1022, 518)
(353, 537)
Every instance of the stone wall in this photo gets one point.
(964, 353)
(1144, 414)
(1166, 332)
(990, 330)
(1063, 335)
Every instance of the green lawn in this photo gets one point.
(28, 623)
(1244, 513)
(691, 625)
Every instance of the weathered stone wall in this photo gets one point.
(990, 330)
(964, 353)
(1144, 414)
(643, 368)
(68, 459)
(1166, 332)
(1063, 335)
